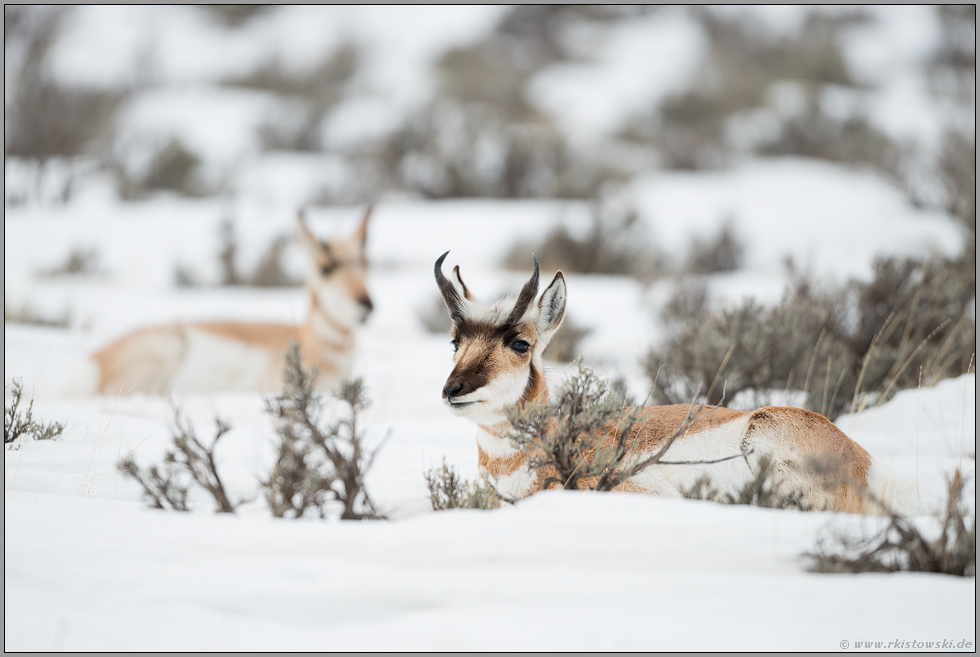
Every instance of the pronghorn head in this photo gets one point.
(498, 346)
(338, 272)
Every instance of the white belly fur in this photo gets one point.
(214, 363)
(715, 443)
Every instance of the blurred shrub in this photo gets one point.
(712, 255)
(958, 175)
(480, 136)
(853, 140)
(434, 316)
(79, 262)
(174, 168)
(314, 93)
(564, 345)
(52, 130)
(44, 118)
(28, 314)
(234, 16)
(688, 304)
(452, 150)
(953, 67)
(616, 243)
(844, 347)
(690, 128)
(902, 547)
(269, 272)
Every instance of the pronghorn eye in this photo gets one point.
(326, 270)
(520, 346)
(455, 344)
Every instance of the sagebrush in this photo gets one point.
(447, 490)
(318, 462)
(583, 439)
(19, 421)
(765, 489)
(844, 347)
(903, 547)
(188, 462)
(617, 242)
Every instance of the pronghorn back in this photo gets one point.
(498, 366)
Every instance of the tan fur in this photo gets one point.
(810, 434)
(147, 360)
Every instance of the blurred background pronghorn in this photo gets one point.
(498, 366)
(236, 356)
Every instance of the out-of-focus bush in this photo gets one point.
(564, 345)
(720, 253)
(174, 168)
(43, 117)
(234, 16)
(480, 136)
(51, 129)
(616, 243)
(311, 93)
(844, 348)
(269, 272)
(691, 128)
(852, 140)
(953, 67)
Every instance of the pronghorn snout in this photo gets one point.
(366, 307)
(457, 386)
(448, 392)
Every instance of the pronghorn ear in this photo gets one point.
(303, 233)
(551, 306)
(459, 281)
(361, 233)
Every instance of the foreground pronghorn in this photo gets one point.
(233, 356)
(498, 365)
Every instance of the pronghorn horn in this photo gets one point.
(528, 292)
(361, 232)
(449, 293)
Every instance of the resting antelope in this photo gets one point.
(498, 365)
(233, 356)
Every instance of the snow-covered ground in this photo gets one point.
(88, 567)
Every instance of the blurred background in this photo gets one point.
(697, 160)
(343, 105)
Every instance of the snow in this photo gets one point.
(645, 572)
(88, 567)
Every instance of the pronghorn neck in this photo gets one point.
(328, 331)
(501, 463)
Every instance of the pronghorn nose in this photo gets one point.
(366, 308)
(448, 391)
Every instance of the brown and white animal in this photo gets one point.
(235, 356)
(498, 366)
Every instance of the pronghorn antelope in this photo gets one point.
(233, 356)
(498, 365)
